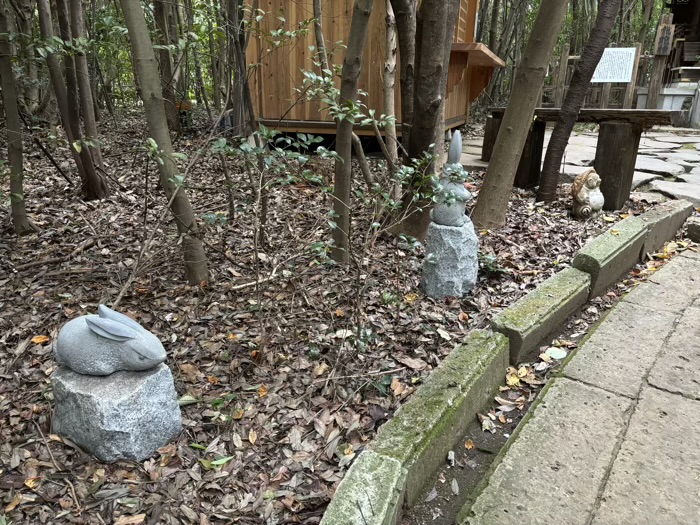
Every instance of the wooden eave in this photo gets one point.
(479, 54)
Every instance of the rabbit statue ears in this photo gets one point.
(455, 152)
(113, 325)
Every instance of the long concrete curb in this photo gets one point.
(613, 253)
(412, 446)
(531, 319)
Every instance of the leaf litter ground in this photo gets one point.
(282, 383)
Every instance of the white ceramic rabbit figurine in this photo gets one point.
(99, 345)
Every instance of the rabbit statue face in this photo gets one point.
(106, 343)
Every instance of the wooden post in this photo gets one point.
(560, 89)
(632, 86)
(615, 158)
(662, 48)
(493, 124)
(528, 174)
(604, 95)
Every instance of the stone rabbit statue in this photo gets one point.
(450, 207)
(99, 345)
(588, 199)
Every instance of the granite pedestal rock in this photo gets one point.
(114, 396)
(126, 415)
(451, 262)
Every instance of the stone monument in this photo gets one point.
(114, 395)
(451, 262)
(585, 191)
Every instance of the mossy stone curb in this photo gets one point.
(607, 257)
(663, 221)
(423, 430)
(370, 494)
(534, 317)
(413, 444)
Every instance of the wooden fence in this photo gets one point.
(610, 95)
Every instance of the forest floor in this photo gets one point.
(284, 381)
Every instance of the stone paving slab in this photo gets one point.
(655, 478)
(615, 360)
(678, 190)
(677, 368)
(641, 178)
(648, 197)
(649, 142)
(665, 292)
(552, 472)
(678, 139)
(692, 156)
(655, 165)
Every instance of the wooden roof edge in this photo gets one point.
(484, 56)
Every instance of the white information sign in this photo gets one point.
(616, 65)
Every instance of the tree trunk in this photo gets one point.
(646, 17)
(20, 221)
(492, 203)
(320, 41)
(389, 89)
(352, 65)
(213, 58)
(583, 73)
(434, 29)
(493, 28)
(405, 12)
(87, 105)
(160, 14)
(147, 68)
(24, 10)
(93, 185)
(482, 17)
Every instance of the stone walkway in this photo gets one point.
(668, 162)
(615, 439)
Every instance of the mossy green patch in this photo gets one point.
(532, 318)
(612, 253)
(424, 429)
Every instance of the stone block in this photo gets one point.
(541, 312)
(370, 494)
(423, 430)
(622, 348)
(126, 415)
(451, 261)
(610, 255)
(556, 462)
(693, 225)
(663, 222)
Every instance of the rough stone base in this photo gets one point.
(126, 415)
(451, 261)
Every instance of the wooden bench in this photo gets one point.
(616, 152)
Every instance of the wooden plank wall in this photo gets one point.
(273, 83)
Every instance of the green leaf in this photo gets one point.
(222, 461)
(78, 146)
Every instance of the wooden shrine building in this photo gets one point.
(275, 83)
